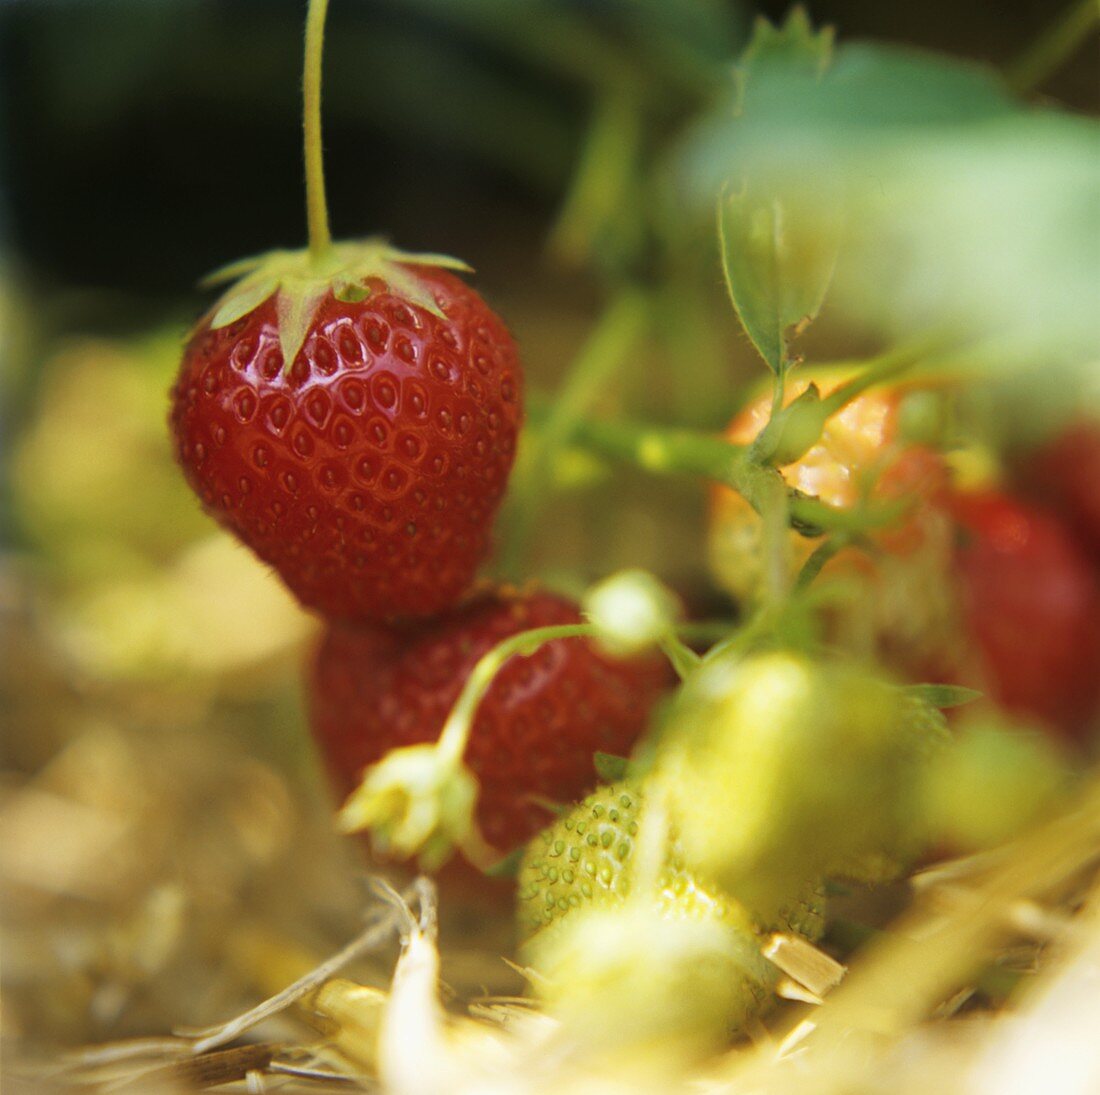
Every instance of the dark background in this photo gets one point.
(149, 141)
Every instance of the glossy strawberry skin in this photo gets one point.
(369, 473)
(1031, 606)
(535, 731)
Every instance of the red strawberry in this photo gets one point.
(535, 730)
(1031, 604)
(369, 472)
(1067, 473)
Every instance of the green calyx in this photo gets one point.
(300, 282)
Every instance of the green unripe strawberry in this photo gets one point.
(778, 769)
(636, 978)
(606, 943)
(921, 738)
(586, 858)
(996, 781)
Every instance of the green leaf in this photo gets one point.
(234, 270)
(350, 292)
(609, 767)
(508, 867)
(303, 280)
(297, 305)
(795, 46)
(966, 213)
(778, 263)
(943, 695)
(240, 303)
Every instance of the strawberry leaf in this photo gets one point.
(296, 306)
(240, 304)
(609, 767)
(508, 867)
(777, 262)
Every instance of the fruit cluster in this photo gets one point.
(364, 457)
(774, 773)
(352, 413)
(975, 583)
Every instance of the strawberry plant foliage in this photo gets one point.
(777, 261)
(939, 194)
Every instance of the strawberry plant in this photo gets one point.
(723, 672)
(382, 400)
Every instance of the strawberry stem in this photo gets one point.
(456, 730)
(320, 239)
(813, 566)
(682, 658)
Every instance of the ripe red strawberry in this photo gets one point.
(367, 473)
(1066, 472)
(1031, 605)
(535, 731)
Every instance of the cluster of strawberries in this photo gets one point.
(993, 583)
(366, 465)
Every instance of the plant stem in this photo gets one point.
(665, 451)
(773, 505)
(812, 567)
(682, 658)
(602, 179)
(1054, 46)
(320, 239)
(884, 368)
(456, 730)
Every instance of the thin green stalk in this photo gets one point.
(779, 390)
(763, 623)
(884, 368)
(320, 238)
(687, 452)
(813, 566)
(456, 730)
(772, 502)
(602, 180)
(1045, 56)
(683, 659)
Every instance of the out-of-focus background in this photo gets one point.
(158, 791)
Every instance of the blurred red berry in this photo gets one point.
(535, 731)
(1031, 608)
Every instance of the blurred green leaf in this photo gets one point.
(777, 263)
(795, 47)
(964, 212)
(777, 266)
(609, 767)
